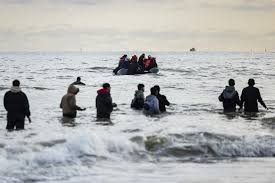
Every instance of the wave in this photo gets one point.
(204, 144)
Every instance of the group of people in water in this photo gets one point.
(249, 98)
(136, 65)
(17, 105)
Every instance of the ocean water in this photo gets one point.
(193, 142)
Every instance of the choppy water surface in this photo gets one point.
(193, 142)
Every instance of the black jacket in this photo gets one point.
(230, 99)
(250, 97)
(104, 103)
(162, 102)
(16, 103)
(132, 68)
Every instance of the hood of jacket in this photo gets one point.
(15, 89)
(229, 92)
(72, 90)
(103, 91)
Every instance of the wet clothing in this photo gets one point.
(250, 97)
(17, 105)
(138, 101)
(151, 105)
(68, 102)
(104, 105)
(230, 99)
(162, 102)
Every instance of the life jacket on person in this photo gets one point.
(152, 63)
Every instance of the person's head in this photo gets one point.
(16, 83)
(106, 86)
(251, 82)
(78, 78)
(231, 82)
(134, 58)
(72, 89)
(140, 86)
(149, 56)
(157, 88)
(153, 91)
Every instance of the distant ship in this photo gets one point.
(192, 49)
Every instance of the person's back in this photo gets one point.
(250, 97)
(151, 104)
(138, 101)
(68, 102)
(17, 105)
(230, 97)
(104, 103)
(163, 102)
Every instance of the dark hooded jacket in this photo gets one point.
(230, 99)
(162, 102)
(104, 103)
(17, 105)
(250, 97)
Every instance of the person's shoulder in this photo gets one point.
(7, 92)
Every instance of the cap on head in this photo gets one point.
(157, 88)
(153, 91)
(106, 85)
(140, 86)
(231, 82)
(251, 82)
(16, 83)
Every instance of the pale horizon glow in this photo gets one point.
(147, 25)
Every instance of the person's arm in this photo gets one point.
(261, 100)
(73, 105)
(166, 102)
(221, 97)
(6, 101)
(109, 104)
(26, 106)
(237, 99)
(242, 99)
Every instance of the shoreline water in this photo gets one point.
(194, 142)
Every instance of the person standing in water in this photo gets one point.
(151, 104)
(250, 98)
(78, 81)
(17, 105)
(138, 101)
(162, 99)
(104, 105)
(68, 103)
(230, 97)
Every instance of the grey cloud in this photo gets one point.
(67, 31)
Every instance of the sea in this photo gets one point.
(193, 142)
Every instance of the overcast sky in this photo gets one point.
(130, 25)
